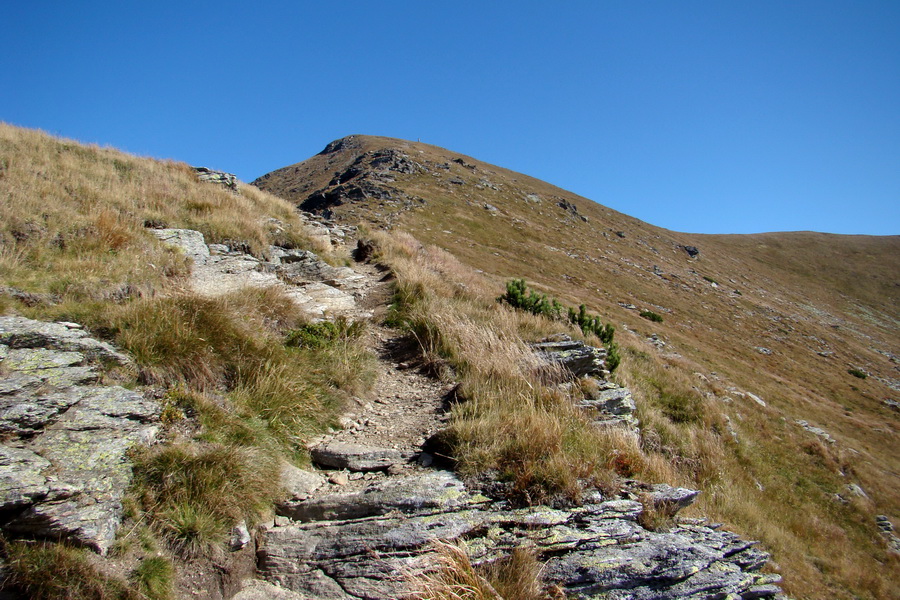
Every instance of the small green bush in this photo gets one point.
(858, 373)
(613, 358)
(323, 334)
(519, 296)
(591, 324)
(651, 316)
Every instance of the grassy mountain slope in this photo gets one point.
(237, 396)
(785, 317)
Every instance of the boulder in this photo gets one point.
(299, 483)
(222, 178)
(190, 242)
(576, 357)
(19, 332)
(64, 463)
(613, 406)
(356, 457)
(432, 490)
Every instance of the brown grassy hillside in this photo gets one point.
(785, 317)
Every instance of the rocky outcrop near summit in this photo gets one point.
(64, 463)
(365, 544)
(321, 290)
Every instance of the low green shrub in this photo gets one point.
(324, 333)
(519, 296)
(651, 316)
(858, 373)
(591, 324)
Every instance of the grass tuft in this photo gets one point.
(196, 493)
(154, 577)
(48, 571)
(454, 577)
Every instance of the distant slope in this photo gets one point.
(784, 316)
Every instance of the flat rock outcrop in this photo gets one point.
(364, 544)
(64, 463)
(228, 180)
(576, 357)
(612, 405)
(321, 290)
(357, 457)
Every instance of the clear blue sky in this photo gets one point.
(723, 116)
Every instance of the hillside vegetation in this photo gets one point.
(755, 333)
(237, 397)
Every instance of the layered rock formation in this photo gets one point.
(317, 287)
(64, 463)
(366, 544)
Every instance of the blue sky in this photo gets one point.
(710, 117)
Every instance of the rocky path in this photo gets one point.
(382, 435)
(358, 523)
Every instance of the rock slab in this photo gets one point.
(64, 463)
(357, 457)
(576, 357)
(596, 550)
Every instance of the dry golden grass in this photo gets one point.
(73, 246)
(517, 423)
(452, 576)
(72, 218)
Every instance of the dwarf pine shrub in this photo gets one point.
(519, 296)
(651, 316)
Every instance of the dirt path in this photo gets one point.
(406, 405)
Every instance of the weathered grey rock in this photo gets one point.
(672, 499)
(355, 457)
(434, 490)
(222, 178)
(255, 589)
(302, 266)
(239, 537)
(817, 431)
(577, 357)
(886, 528)
(215, 274)
(64, 461)
(590, 551)
(19, 332)
(299, 483)
(22, 481)
(614, 406)
(27, 414)
(190, 242)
